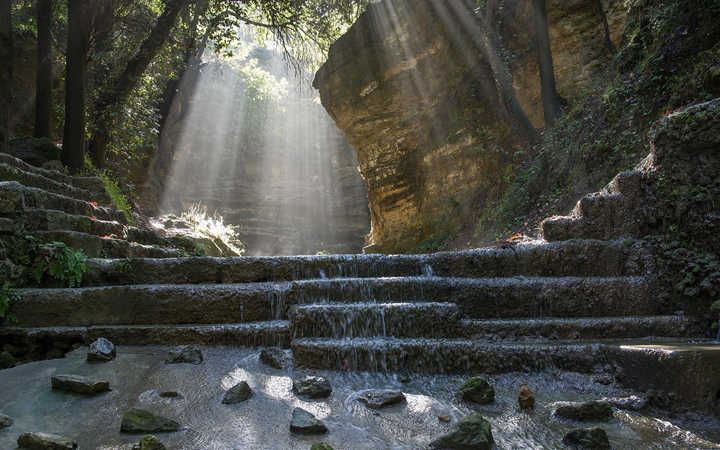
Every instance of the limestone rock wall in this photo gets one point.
(408, 85)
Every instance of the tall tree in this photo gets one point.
(43, 94)
(6, 55)
(117, 91)
(79, 30)
(552, 109)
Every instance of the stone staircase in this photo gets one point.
(583, 299)
(53, 206)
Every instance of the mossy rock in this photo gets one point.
(477, 390)
(141, 421)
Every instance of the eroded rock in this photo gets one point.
(188, 354)
(275, 357)
(312, 386)
(101, 350)
(303, 422)
(5, 421)
(79, 385)
(587, 411)
(238, 393)
(141, 421)
(45, 441)
(471, 432)
(380, 398)
(149, 443)
(587, 438)
(526, 398)
(477, 390)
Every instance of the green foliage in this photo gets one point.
(59, 262)
(118, 198)
(7, 297)
(432, 245)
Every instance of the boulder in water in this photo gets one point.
(587, 438)
(149, 443)
(312, 386)
(141, 421)
(380, 398)
(303, 422)
(101, 350)
(171, 394)
(526, 398)
(45, 441)
(598, 411)
(471, 432)
(188, 354)
(238, 393)
(5, 421)
(79, 385)
(477, 390)
(275, 357)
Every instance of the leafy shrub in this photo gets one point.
(7, 297)
(61, 263)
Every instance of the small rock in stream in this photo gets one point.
(312, 386)
(45, 441)
(149, 442)
(79, 385)
(321, 446)
(471, 432)
(599, 411)
(101, 350)
(188, 354)
(526, 398)
(5, 421)
(238, 393)
(477, 390)
(275, 357)
(6, 360)
(587, 438)
(303, 422)
(171, 394)
(141, 421)
(380, 398)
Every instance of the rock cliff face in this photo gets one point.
(409, 87)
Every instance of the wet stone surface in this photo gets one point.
(380, 398)
(312, 387)
(101, 350)
(45, 441)
(238, 393)
(79, 385)
(139, 374)
(189, 354)
(304, 422)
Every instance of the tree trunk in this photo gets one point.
(117, 92)
(6, 55)
(79, 28)
(550, 99)
(43, 95)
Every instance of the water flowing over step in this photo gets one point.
(578, 328)
(375, 319)
(587, 258)
(246, 302)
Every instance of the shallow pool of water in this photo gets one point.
(139, 374)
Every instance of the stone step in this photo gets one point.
(53, 220)
(601, 208)
(254, 334)
(349, 320)
(96, 185)
(249, 302)
(627, 183)
(102, 247)
(564, 228)
(493, 297)
(10, 173)
(569, 258)
(583, 328)
(460, 356)
(16, 198)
